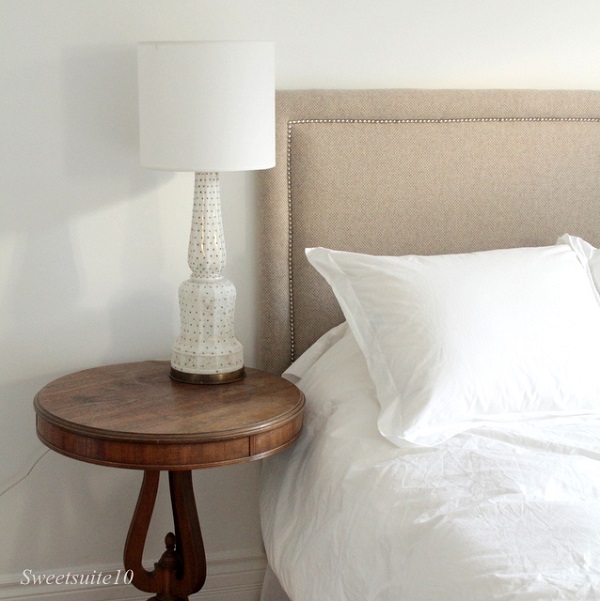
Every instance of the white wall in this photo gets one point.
(92, 247)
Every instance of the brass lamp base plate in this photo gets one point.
(224, 378)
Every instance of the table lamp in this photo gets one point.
(206, 107)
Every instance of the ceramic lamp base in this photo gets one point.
(207, 350)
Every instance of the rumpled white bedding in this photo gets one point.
(489, 515)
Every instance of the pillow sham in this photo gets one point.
(459, 341)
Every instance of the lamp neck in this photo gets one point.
(206, 253)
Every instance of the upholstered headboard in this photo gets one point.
(415, 171)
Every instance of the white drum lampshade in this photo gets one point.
(207, 107)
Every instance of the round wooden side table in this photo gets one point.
(133, 415)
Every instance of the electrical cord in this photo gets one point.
(19, 480)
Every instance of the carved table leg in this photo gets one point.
(181, 571)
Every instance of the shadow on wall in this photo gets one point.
(74, 138)
(77, 155)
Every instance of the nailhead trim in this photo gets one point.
(295, 122)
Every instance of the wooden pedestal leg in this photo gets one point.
(181, 571)
(191, 572)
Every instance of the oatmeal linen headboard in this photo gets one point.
(415, 171)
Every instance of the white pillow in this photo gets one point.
(589, 257)
(297, 370)
(459, 341)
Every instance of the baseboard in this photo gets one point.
(230, 578)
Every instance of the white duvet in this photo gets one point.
(491, 514)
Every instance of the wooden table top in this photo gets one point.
(134, 415)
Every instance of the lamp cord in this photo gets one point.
(19, 480)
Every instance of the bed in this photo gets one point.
(445, 328)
